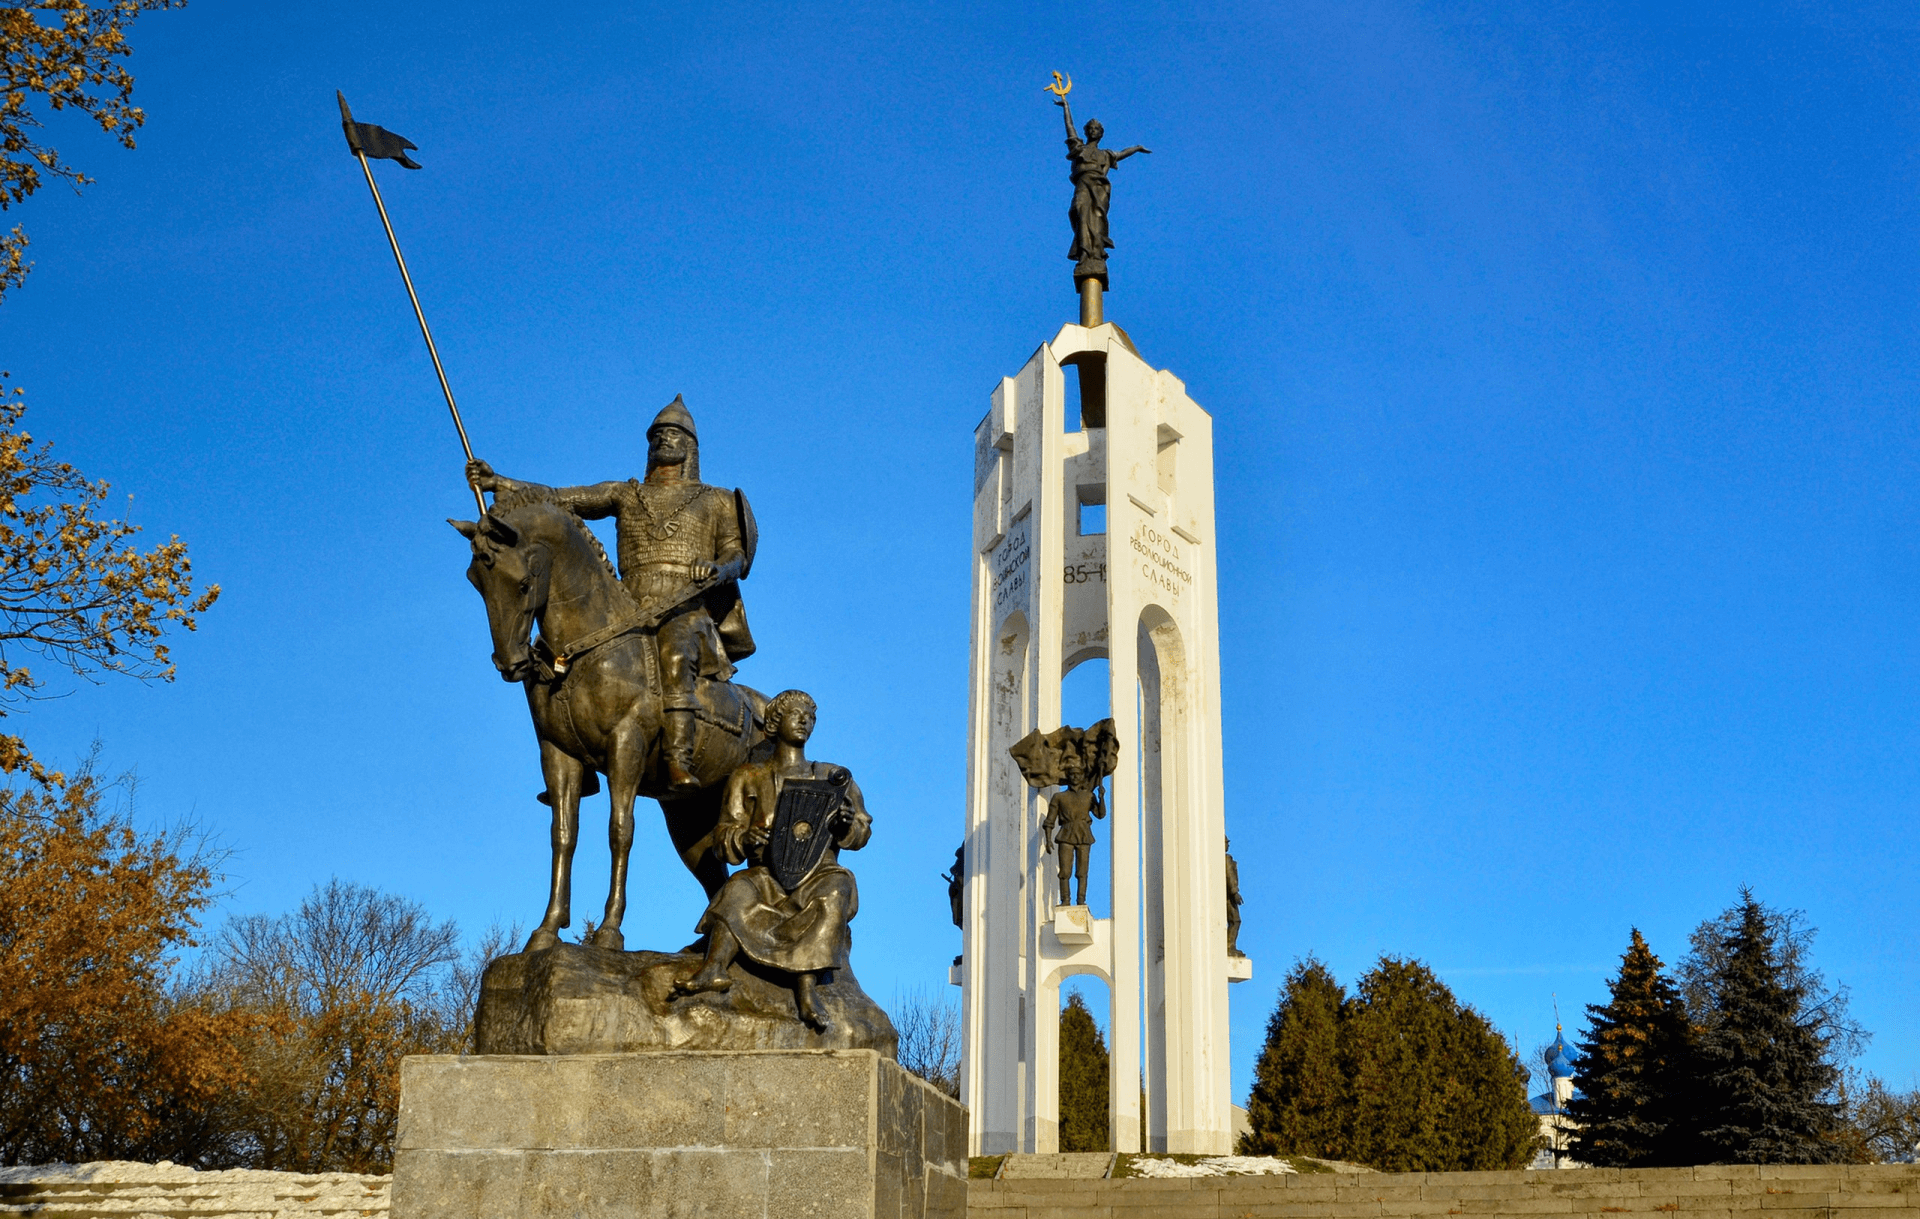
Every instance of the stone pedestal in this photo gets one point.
(827, 1133)
(572, 999)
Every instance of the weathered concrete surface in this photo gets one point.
(1868, 1191)
(120, 1189)
(573, 999)
(1057, 1166)
(611, 1136)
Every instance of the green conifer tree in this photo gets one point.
(1631, 1103)
(1083, 1080)
(1765, 1069)
(1299, 1101)
(1434, 1087)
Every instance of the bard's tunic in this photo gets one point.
(805, 930)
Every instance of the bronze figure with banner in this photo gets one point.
(1077, 760)
(683, 547)
(628, 677)
(628, 673)
(789, 818)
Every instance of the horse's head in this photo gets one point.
(513, 574)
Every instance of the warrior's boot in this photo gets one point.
(678, 753)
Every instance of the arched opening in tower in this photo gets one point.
(1085, 1066)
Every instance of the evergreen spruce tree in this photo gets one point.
(1434, 1087)
(1631, 1102)
(1299, 1099)
(1764, 1070)
(1083, 1080)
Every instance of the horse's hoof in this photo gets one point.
(542, 939)
(610, 939)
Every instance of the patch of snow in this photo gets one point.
(152, 1191)
(1213, 1166)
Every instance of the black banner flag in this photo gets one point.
(369, 140)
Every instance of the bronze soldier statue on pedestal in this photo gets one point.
(1079, 759)
(674, 531)
(1067, 829)
(1233, 903)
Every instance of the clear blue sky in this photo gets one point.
(1561, 362)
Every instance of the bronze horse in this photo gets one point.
(535, 563)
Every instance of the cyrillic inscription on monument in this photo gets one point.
(1160, 560)
(1011, 564)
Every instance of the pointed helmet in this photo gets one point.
(677, 414)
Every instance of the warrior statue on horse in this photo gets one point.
(629, 675)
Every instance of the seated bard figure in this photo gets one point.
(674, 532)
(790, 818)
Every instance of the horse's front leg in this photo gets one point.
(564, 774)
(690, 823)
(623, 778)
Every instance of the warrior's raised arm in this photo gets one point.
(589, 503)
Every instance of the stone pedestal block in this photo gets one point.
(572, 999)
(776, 1133)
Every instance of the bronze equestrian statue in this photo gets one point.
(629, 676)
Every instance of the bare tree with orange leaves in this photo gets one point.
(344, 987)
(99, 1058)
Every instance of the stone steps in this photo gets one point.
(1879, 1191)
(1871, 1191)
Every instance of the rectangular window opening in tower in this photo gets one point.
(1093, 510)
(1086, 390)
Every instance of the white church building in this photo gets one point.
(1556, 1126)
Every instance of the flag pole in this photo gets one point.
(425, 333)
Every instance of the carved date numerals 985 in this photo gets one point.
(1086, 573)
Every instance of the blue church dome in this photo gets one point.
(1560, 1056)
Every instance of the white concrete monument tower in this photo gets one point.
(1095, 538)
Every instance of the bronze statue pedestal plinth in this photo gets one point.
(840, 1133)
(572, 999)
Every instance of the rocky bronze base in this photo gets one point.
(830, 1134)
(572, 999)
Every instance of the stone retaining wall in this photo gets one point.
(122, 1190)
(1876, 1191)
